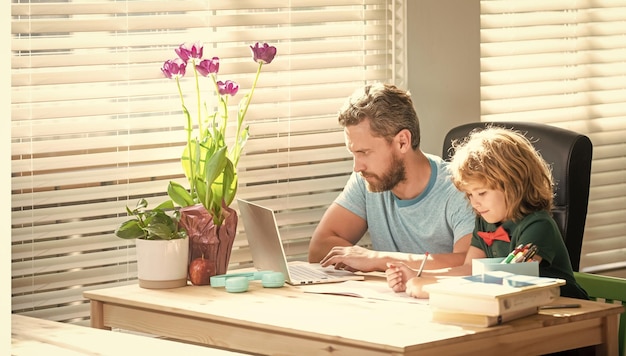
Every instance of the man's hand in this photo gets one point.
(352, 258)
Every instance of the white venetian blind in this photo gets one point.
(563, 62)
(95, 126)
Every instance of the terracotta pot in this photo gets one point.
(208, 242)
(162, 263)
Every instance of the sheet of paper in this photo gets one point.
(380, 291)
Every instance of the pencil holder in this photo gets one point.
(482, 265)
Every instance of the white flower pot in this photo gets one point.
(162, 263)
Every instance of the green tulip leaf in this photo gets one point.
(215, 165)
(179, 194)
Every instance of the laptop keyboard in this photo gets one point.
(303, 272)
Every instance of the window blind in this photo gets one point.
(564, 63)
(95, 126)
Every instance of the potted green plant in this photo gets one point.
(162, 245)
(208, 163)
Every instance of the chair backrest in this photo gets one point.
(610, 290)
(569, 155)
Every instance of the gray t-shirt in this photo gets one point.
(432, 222)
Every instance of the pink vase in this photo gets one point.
(209, 245)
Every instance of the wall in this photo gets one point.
(443, 46)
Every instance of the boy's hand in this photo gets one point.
(414, 286)
(397, 275)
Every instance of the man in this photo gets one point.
(404, 197)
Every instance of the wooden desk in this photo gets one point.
(288, 321)
(33, 336)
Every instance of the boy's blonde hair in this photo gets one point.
(504, 160)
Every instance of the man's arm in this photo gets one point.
(456, 258)
(356, 258)
(435, 260)
(338, 227)
(333, 243)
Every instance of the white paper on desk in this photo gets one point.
(360, 289)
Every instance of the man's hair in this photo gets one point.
(504, 160)
(389, 110)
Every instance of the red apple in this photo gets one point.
(201, 270)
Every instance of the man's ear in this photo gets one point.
(403, 139)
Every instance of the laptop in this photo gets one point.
(268, 254)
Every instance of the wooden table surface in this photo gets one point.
(36, 337)
(285, 321)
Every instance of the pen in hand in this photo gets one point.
(419, 272)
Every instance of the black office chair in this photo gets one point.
(569, 154)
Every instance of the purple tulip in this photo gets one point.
(174, 67)
(190, 50)
(208, 66)
(227, 88)
(263, 54)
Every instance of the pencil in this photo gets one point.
(419, 273)
(558, 306)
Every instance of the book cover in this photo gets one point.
(446, 316)
(493, 293)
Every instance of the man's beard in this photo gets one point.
(389, 180)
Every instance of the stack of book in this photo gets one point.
(491, 298)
